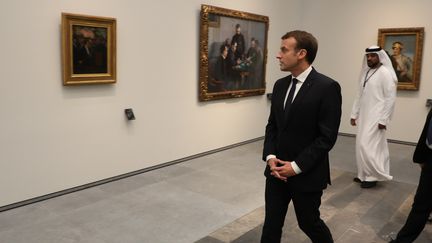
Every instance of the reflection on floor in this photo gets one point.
(216, 198)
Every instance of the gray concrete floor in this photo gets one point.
(216, 198)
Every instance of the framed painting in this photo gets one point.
(88, 49)
(233, 53)
(405, 48)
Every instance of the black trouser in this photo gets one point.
(420, 210)
(306, 206)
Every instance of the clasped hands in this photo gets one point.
(280, 169)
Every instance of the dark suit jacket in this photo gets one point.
(422, 153)
(309, 131)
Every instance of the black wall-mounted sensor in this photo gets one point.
(129, 114)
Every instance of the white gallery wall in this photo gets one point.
(54, 137)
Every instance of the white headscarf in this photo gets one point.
(384, 59)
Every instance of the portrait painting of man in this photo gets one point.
(404, 47)
(89, 50)
(402, 51)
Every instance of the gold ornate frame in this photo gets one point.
(411, 40)
(216, 21)
(88, 49)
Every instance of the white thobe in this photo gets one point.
(374, 105)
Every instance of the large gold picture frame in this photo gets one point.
(405, 48)
(88, 49)
(233, 53)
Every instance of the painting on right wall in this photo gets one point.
(405, 48)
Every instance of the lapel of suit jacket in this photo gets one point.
(304, 88)
(303, 91)
(284, 88)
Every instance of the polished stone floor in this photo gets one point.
(216, 198)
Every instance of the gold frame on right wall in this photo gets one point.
(405, 48)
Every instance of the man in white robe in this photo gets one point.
(371, 114)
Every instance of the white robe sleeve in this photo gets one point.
(389, 98)
(356, 106)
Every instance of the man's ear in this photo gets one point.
(302, 53)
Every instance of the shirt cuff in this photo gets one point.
(295, 167)
(270, 156)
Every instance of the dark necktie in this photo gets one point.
(290, 96)
(429, 135)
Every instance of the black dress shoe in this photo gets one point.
(368, 184)
(356, 179)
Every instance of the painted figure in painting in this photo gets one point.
(402, 64)
(254, 58)
(233, 60)
(240, 40)
(89, 50)
(219, 78)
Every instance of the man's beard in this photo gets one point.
(372, 65)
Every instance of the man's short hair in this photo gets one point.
(305, 41)
(401, 46)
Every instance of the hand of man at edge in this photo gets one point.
(381, 126)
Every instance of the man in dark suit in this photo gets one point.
(422, 206)
(298, 137)
(238, 38)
